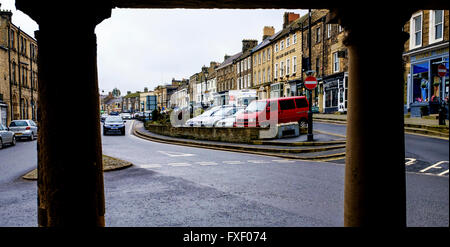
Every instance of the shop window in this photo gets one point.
(436, 26)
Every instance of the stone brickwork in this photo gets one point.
(18, 70)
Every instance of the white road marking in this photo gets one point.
(179, 164)
(442, 173)
(235, 162)
(147, 166)
(435, 166)
(175, 154)
(130, 128)
(284, 161)
(206, 163)
(258, 161)
(410, 162)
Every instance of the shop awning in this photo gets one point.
(420, 68)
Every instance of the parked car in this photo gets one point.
(24, 129)
(103, 117)
(223, 112)
(125, 115)
(114, 113)
(229, 121)
(6, 136)
(114, 124)
(197, 121)
(288, 109)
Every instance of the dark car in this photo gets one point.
(114, 125)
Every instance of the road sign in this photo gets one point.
(310, 82)
(442, 70)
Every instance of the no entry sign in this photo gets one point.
(442, 70)
(310, 82)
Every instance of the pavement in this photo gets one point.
(428, 125)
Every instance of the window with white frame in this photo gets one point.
(268, 74)
(255, 78)
(335, 62)
(416, 31)
(249, 63)
(254, 59)
(276, 47)
(288, 41)
(259, 77)
(288, 62)
(249, 80)
(268, 54)
(294, 38)
(328, 30)
(238, 70)
(318, 35)
(294, 65)
(436, 26)
(282, 45)
(276, 71)
(242, 65)
(259, 58)
(282, 69)
(340, 28)
(245, 64)
(264, 56)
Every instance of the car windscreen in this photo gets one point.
(114, 120)
(209, 112)
(257, 106)
(18, 123)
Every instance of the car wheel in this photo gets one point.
(303, 123)
(32, 136)
(13, 141)
(1, 143)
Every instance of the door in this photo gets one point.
(302, 108)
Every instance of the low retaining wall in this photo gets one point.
(237, 135)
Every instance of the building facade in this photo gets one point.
(244, 64)
(226, 79)
(18, 70)
(263, 63)
(426, 49)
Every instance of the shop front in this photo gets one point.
(425, 87)
(335, 91)
(3, 113)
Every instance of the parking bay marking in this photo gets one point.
(258, 161)
(435, 166)
(410, 161)
(284, 161)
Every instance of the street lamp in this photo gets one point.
(205, 73)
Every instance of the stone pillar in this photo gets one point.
(375, 152)
(70, 170)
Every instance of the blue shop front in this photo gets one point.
(425, 88)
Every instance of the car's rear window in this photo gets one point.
(18, 123)
(301, 103)
(287, 104)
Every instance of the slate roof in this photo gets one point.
(229, 60)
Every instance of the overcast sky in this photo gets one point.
(140, 48)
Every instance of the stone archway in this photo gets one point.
(370, 199)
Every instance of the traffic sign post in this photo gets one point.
(310, 84)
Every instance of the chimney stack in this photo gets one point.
(268, 31)
(289, 17)
(248, 44)
(226, 57)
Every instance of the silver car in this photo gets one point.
(24, 129)
(6, 136)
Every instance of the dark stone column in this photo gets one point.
(70, 170)
(375, 156)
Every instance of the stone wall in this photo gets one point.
(236, 135)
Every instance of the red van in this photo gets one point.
(288, 109)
